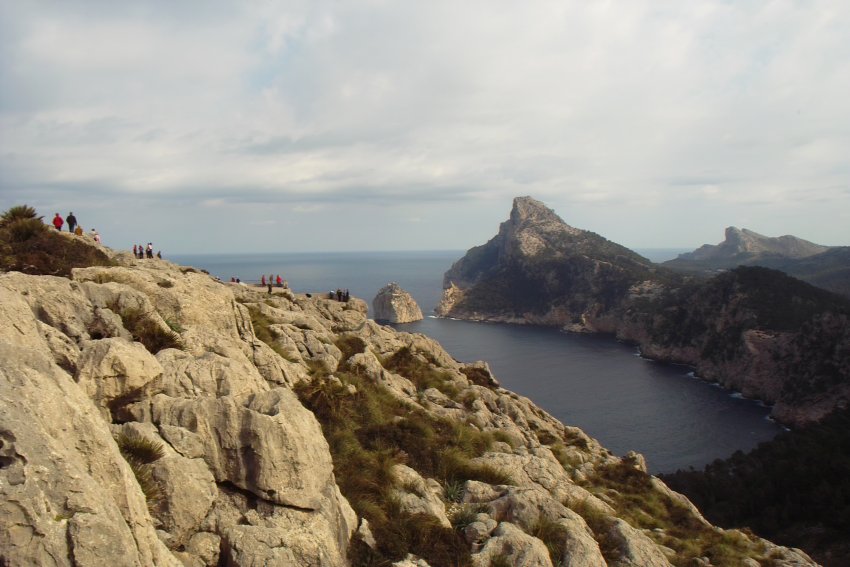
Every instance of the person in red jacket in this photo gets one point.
(58, 222)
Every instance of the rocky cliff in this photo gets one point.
(538, 269)
(151, 415)
(827, 267)
(395, 305)
(742, 246)
(751, 329)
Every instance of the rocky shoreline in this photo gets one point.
(753, 330)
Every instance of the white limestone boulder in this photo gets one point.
(395, 305)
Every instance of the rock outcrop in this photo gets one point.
(745, 246)
(827, 267)
(395, 305)
(751, 329)
(150, 415)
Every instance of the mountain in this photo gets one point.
(743, 246)
(152, 415)
(540, 270)
(752, 329)
(823, 266)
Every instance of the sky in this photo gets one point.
(263, 126)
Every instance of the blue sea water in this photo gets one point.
(592, 382)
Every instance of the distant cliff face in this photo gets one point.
(744, 246)
(538, 269)
(749, 329)
(150, 415)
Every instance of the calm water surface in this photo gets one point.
(593, 382)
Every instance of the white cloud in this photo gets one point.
(642, 105)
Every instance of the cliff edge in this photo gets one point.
(151, 415)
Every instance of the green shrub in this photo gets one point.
(453, 490)
(28, 245)
(22, 230)
(18, 213)
(140, 449)
(146, 331)
(463, 516)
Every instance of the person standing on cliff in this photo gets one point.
(149, 250)
(58, 222)
(72, 222)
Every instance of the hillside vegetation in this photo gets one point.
(28, 245)
(794, 489)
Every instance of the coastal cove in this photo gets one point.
(592, 382)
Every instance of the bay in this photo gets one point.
(593, 382)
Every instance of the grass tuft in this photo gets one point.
(140, 453)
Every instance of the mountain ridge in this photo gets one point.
(748, 329)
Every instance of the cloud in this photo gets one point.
(306, 104)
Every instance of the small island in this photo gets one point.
(395, 305)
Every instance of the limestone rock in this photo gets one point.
(635, 548)
(270, 446)
(66, 494)
(516, 546)
(395, 305)
(114, 370)
(418, 496)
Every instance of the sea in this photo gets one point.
(595, 382)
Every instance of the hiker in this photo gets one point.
(72, 222)
(270, 287)
(78, 231)
(58, 222)
(135, 251)
(95, 235)
(159, 254)
(279, 281)
(263, 280)
(149, 250)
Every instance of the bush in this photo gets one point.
(28, 245)
(146, 331)
(19, 213)
(423, 375)
(140, 452)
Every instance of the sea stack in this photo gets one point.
(395, 305)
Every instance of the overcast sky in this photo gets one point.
(392, 125)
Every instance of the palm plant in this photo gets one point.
(17, 213)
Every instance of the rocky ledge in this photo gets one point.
(151, 415)
(395, 305)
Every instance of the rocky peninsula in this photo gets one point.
(152, 415)
(751, 329)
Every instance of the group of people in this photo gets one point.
(276, 281)
(73, 227)
(340, 295)
(141, 252)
